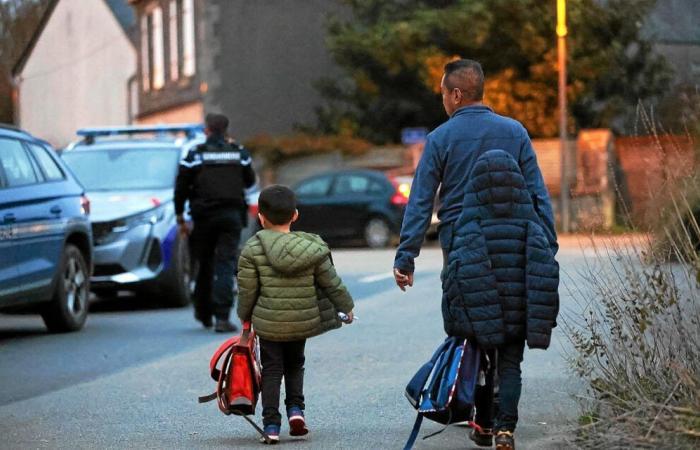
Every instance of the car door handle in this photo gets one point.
(56, 209)
(9, 218)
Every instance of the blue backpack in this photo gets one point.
(443, 389)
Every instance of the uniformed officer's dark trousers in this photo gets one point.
(214, 242)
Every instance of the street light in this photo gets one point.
(561, 46)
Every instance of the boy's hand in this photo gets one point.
(347, 319)
(403, 279)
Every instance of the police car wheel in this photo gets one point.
(69, 306)
(377, 233)
(177, 283)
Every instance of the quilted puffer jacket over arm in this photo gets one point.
(501, 281)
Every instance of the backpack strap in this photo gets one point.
(414, 433)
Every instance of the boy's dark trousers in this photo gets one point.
(281, 359)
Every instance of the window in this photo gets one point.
(145, 55)
(120, 169)
(173, 40)
(188, 38)
(377, 188)
(157, 43)
(317, 187)
(16, 164)
(48, 165)
(351, 184)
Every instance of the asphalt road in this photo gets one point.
(131, 378)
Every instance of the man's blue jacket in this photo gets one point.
(447, 161)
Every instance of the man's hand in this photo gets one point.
(403, 279)
(182, 226)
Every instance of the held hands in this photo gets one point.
(403, 279)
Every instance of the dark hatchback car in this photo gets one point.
(347, 205)
(45, 235)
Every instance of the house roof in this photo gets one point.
(120, 9)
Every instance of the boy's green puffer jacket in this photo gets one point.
(288, 286)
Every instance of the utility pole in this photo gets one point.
(565, 204)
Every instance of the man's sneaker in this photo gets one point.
(224, 326)
(273, 434)
(204, 319)
(483, 438)
(505, 440)
(297, 423)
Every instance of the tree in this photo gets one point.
(393, 53)
(18, 20)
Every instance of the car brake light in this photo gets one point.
(253, 210)
(84, 205)
(400, 197)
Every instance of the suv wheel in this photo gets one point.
(177, 285)
(69, 306)
(377, 233)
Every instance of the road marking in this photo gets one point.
(378, 277)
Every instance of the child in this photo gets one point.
(288, 287)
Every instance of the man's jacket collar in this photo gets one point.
(216, 139)
(472, 109)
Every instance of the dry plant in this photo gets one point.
(637, 344)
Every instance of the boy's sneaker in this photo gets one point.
(482, 439)
(297, 423)
(505, 440)
(273, 433)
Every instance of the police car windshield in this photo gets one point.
(124, 169)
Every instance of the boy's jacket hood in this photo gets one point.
(293, 252)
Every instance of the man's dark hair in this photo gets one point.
(467, 76)
(277, 203)
(217, 123)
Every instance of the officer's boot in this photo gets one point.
(223, 325)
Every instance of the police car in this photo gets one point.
(129, 174)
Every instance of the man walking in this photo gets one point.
(450, 153)
(213, 178)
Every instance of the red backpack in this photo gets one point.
(236, 369)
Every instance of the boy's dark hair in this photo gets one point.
(278, 204)
(468, 76)
(217, 123)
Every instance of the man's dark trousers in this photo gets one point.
(507, 363)
(281, 359)
(215, 241)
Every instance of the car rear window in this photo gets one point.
(314, 188)
(124, 169)
(48, 165)
(16, 164)
(351, 184)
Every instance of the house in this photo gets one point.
(674, 29)
(76, 69)
(255, 61)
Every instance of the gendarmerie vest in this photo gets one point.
(213, 176)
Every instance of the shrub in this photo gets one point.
(637, 345)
